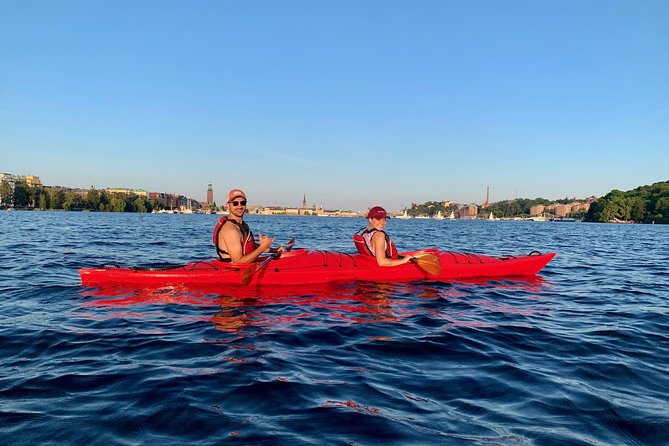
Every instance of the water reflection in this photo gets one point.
(258, 309)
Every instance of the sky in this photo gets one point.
(352, 103)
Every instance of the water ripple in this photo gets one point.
(577, 356)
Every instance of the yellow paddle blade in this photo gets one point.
(430, 263)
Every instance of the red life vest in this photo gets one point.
(248, 243)
(363, 243)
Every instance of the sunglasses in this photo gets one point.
(237, 203)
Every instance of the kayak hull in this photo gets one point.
(302, 266)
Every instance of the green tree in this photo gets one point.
(139, 205)
(21, 195)
(93, 199)
(6, 195)
(116, 203)
(662, 209)
(73, 202)
(57, 197)
(638, 208)
(644, 204)
(43, 199)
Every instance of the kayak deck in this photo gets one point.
(302, 266)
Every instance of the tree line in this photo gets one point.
(645, 204)
(61, 198)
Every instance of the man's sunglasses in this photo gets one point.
(237, 203)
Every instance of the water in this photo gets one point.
(577, 356)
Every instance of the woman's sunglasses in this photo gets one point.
(237, 203)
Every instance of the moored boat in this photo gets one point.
(303, 266)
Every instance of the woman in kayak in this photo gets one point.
(373, 241)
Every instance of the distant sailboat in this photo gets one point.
(439, 216)
(491, 216)
(452, 216)
(405, 214)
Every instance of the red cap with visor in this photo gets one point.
(377, 212)
(236, 193)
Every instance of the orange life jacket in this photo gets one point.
(363, 243)
(248, 243)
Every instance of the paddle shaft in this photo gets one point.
(249, 272)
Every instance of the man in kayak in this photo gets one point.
(373, 241)
(232, 236)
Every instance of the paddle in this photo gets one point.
(428, 262)
(248, 273)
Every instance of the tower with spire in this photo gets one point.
(210, 194)
(304, 202)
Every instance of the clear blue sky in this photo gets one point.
(354, 103)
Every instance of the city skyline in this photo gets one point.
(360, 104)
(210, 196)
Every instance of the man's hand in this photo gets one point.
(264, 241)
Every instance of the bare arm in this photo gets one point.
(379, 244)
(230, 237)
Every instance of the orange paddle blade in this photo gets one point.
(247, 275)
(429, 263)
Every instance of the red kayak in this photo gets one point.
(302, 266)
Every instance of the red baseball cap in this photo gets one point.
(236, 193)
(377, 212)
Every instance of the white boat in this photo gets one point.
(439, 216)
(405, 214)
(491, 217)
(452, 216)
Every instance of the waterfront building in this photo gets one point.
(140, 192)
(28, 180)
(31, 181)
(578, 207)
(210, 194)
(562, 210)
(9, 179)
(537, 210)
(468, 211)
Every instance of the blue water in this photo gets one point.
(578, 355)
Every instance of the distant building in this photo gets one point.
(31, 181)
(537, 210)
(8, 178)
(140, 192)
(562, 210)
(210, 194)
(469, 211)
(578, 207)
(11, 181)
